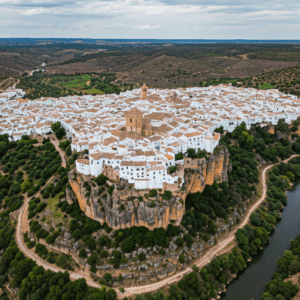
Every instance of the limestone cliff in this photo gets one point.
(118, 213)
(200, 172)
(126, 207)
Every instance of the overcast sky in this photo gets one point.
(189, 19)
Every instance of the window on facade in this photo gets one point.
(131, 120)
(108, 162)
(153, 177)
(98, 163)
(153, 172)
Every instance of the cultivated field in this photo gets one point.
(70, 67)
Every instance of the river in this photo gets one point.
(250, 283)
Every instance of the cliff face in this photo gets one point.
(200, 172)
(126, 207)
(117, 213)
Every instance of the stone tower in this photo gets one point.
(134, 121)
(144, 90)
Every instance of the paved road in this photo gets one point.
(134, 290)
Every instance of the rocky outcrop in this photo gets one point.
(200, 172)
(99, 205)
(126, 207)
(69, 195)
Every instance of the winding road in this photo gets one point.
(134, 290)
(23, 224)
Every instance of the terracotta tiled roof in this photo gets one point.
(96, 156)
(83, 161)
(129, 163)
(169, 157)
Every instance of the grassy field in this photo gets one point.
(94, 91)
(57, 85)
(54, 214)
(266, 86)
(78, 81)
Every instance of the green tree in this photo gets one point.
(3, 149)
(82, 253)
(56, 126)
(68, 151)
(142, 256)
(128, 245)
(107, 277)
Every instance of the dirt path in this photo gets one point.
(60, 151)
(22, 227)
(4, 81)
(214, 251)
(134, 290)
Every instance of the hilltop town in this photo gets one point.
(147, 165)
(136, 135)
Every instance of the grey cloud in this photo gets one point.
(130, 18)
(257, 3)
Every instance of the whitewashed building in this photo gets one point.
(137, 139)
